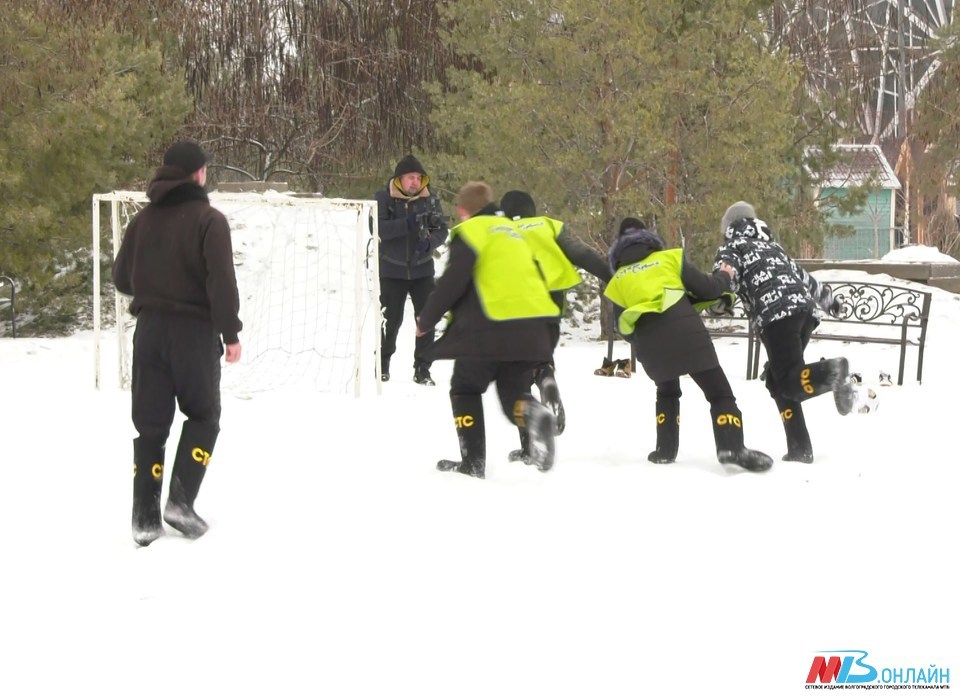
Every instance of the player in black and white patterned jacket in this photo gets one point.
(782, 301)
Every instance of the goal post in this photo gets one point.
(307, 273)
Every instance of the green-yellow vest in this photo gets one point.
(505, 274)
(651, 285)
(541, 234)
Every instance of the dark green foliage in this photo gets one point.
(82, 110)
(670, 110)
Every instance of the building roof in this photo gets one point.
(858, 164)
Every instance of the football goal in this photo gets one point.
(309, 290)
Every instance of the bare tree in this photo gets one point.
(304, 90)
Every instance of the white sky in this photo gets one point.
(341, 564)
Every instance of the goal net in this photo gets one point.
(309, 289)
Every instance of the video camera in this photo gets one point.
(428, 221)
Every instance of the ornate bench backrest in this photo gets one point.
(882, 304)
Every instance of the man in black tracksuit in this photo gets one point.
(176, 261)
(411, 226)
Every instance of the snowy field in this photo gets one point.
(340, 564)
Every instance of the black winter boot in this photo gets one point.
(468, 417)
(196, 445)
(829, 375)
(523, 454)
(421, 375)
(668, 431)
(538, 421)
(147, 484)
(728, 433)
(799, 448)
(546, 382)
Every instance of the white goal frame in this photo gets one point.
(365, 274)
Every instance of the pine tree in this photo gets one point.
(82, 109)
(668, 109)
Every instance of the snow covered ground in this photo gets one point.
(341, 564)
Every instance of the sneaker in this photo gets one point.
(885, 379)
(421, 375)
(624, 369)
(185, 519)
(607, 368)
(804, 457)
(384, 376)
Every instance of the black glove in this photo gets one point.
(423, 246)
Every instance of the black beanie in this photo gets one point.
(408, 164)
(631, 223)
(518, 204)
(186, 155)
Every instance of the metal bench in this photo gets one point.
(870, 312)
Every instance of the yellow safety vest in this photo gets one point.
(541, 234)
(651, 285)
(505, 275)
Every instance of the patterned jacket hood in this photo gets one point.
(770, 283)
(748, 228)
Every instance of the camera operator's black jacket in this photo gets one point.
(399, 258)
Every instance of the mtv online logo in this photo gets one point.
(838, 669)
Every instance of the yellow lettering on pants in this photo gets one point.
(200, 455)
(464, 421)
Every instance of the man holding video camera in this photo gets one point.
(412, 226)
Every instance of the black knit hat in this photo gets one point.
(631, 223)
(186, 155)
(518, 204)
(408, 164)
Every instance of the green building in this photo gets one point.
(874, 225)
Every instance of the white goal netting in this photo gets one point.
(309, 290)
